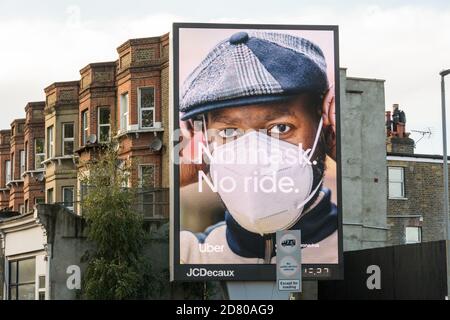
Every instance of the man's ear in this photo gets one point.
(328, 111)
(329, 122)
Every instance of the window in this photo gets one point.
(147, 204)
(8, 171)
(41, 287)
(123, 112)
(20, 128)
(50, 198)
(50, 149)
(22, 163)
(27, 206)
(26, 156)
(413, 235)
(146, 196)
(68, 197)
(104, 125)
(147, 176)
(39, 201)
(39, 153)
(22, 282)
(84, 127)
(68, 139)
(22, 209)
(396, 182)
(13, 161)
(146, 102)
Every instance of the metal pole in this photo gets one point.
(444, 142)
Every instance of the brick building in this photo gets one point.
(34, 144)
(142, 81)
(127, 100)
(97, 105)
(414, 190)
(5, 168)
(61, 141)
(17, 154)
(97, 98)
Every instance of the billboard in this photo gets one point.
(255, 149)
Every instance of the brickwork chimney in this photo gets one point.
(397, 139)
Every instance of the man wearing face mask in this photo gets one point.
(267, 114)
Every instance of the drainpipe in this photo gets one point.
(47, 272)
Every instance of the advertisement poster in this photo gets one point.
(255, 123)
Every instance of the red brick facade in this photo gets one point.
(140, 65)
(97, 97)
(93, 105)
(16, 201)
(34, 141)
(5, 153)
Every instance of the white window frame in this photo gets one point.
(64, 139)
(8, 172)
(8, 282)
(401, 181)
(419, 230)
(73, 196)
(84, 126)
(124, 112)
(38, 155)
(103, 125)
(13, 163)
(142, 109)
(26, 155)
(22, 162)
(39, 289)
(50, 145)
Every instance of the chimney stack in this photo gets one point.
(398, 140)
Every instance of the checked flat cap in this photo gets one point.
(252, 68)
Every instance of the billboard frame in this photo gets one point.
(244, 272)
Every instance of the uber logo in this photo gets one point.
(374, 280)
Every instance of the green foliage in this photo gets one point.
(116, 268)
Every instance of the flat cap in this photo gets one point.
(252, 68)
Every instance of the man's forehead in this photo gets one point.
(261, 112)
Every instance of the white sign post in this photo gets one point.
(289, 261)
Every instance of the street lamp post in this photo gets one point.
(443, 73)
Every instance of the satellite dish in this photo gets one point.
(92, 138)
(156, 144)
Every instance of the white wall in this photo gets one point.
(24, 241)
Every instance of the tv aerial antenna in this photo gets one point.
(423, 133)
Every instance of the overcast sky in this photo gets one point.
(405, 43)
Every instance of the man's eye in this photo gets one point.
(280, 129)
(228, 133)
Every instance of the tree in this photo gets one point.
(116, 267)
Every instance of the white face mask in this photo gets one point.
(264, 182)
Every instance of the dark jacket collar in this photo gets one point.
(320, 222)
